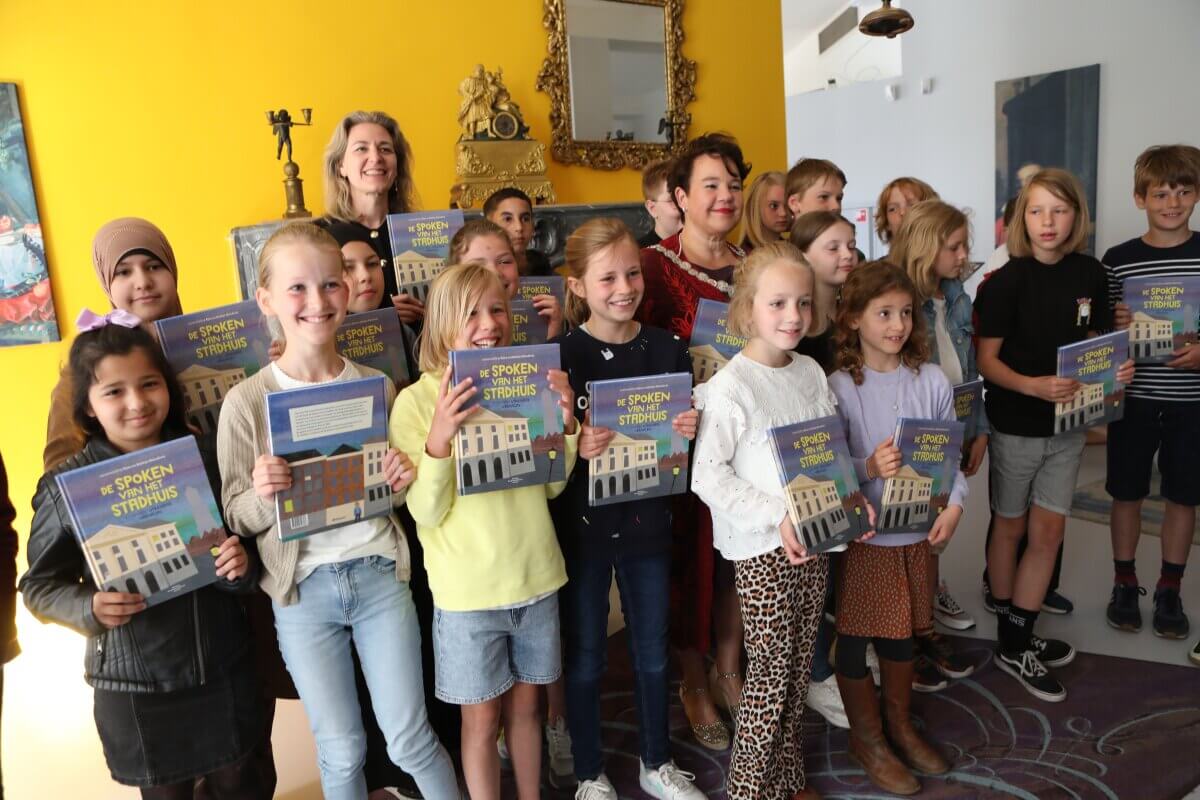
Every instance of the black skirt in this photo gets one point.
(159, 739)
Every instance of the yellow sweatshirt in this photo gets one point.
(486, 550)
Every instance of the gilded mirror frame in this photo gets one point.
(554, 79)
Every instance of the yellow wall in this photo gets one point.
(156, 109)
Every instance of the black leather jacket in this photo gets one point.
(177, 645)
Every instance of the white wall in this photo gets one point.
(1149, 94)
(852, 59)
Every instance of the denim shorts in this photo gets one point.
(1034, 470)
(479, 655)
(1170, 429)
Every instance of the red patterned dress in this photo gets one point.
(670, 302)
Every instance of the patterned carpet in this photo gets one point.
(1129, 729)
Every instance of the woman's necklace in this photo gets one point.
(678, 260)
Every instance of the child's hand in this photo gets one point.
(1186, 357)
(547, 306)
(1125, 372)
(593, 442)
(975, 452)
(449, 414)
(1121, 316)
(232, 560)
(408, 308)
(944, 525)
(566, 398)
(114, 609)
(795, 552)
(686, 423)
(885, 461)
(1052, 389)
(276, 349)
(271, 474)
(398, 469)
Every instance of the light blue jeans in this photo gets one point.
(361, 601)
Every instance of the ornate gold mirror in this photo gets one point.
(618, 82)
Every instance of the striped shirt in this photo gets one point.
(1136, 259)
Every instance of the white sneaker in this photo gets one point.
(558, 750)
(873, 663)
(947, 611)
(825, 698)
(599, 789)
(668, 782)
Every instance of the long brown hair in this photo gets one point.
(806, 229)
(1065, 187)
(865, 283)
(584, 242)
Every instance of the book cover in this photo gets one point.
(823, 497)
(914, 496)
(1100, 399)
(334, 437)
(211, 352)
(516, 436)
(147, 521)
(528, 326)
(248, 242)
(712, 345)
(968, 398)
(374, 339)
(1165, 316)
(420, 247)
(646, 457)
(530, 286)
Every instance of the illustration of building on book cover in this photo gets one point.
(528, 326)
(211, 352)
(420, 247)
(1100, 399)
(516, 437)
(823, 497)
(530, 286)
(968, 398)
(646, 457)
(374, 339)
(912, 498)
(1165, 312)
(334, 437)
(712, 344)
(147, 521)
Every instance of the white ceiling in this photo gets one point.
(804, 17)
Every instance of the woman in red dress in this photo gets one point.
(698, 262)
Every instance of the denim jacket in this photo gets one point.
(962, 332)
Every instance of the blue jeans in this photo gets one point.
(361, 601)
(644, 584)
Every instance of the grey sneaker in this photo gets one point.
(558, 752)
(668, 782)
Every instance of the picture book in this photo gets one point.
(248, 242)
(914, 496)
(968, 398)
(1166, 315)
(211, 352)
(823, 497)
(420, 247)
(530, 286)
(334, 437)
(374, 339)
(1100, 399)
(712, 344)
(528, 326)
(646, 457)
(516, 436)
(147, 521)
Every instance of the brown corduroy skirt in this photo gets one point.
(884, 591)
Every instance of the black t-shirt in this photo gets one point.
(379, 240)
(649, 240)
(1036, 308)
(537, 263)
(820, 349)
(639, 527)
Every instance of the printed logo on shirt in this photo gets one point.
(1083, 311)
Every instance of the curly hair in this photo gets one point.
(867, 282)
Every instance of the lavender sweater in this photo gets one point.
(870, 419)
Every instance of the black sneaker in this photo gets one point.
(1055, 603)
(926, 677)
(1123, 612)
(1031, 674)
(939, 652)
(989, 602)
(1052, 652)
(1169, 620)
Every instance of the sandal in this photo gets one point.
(713, 735)
(716, 682)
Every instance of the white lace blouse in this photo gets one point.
(734, 472)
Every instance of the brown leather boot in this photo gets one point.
(867, 744)
(896, 682)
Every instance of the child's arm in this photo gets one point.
(425, 436)
(947, 521)
(246, 512)
(1050, 388)
(238, 565)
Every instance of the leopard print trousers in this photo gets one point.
(781, 608)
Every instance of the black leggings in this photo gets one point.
(852, 653)
(236, 781)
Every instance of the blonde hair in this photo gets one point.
(915, 186)
(745, 281)
(805, 230)
(918, 243)
(295, 233)
(586, 241)
(452, 295)
(1066, 188)
(338, 203)
(754, 233)
(471, 230)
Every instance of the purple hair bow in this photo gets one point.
(89, 320)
